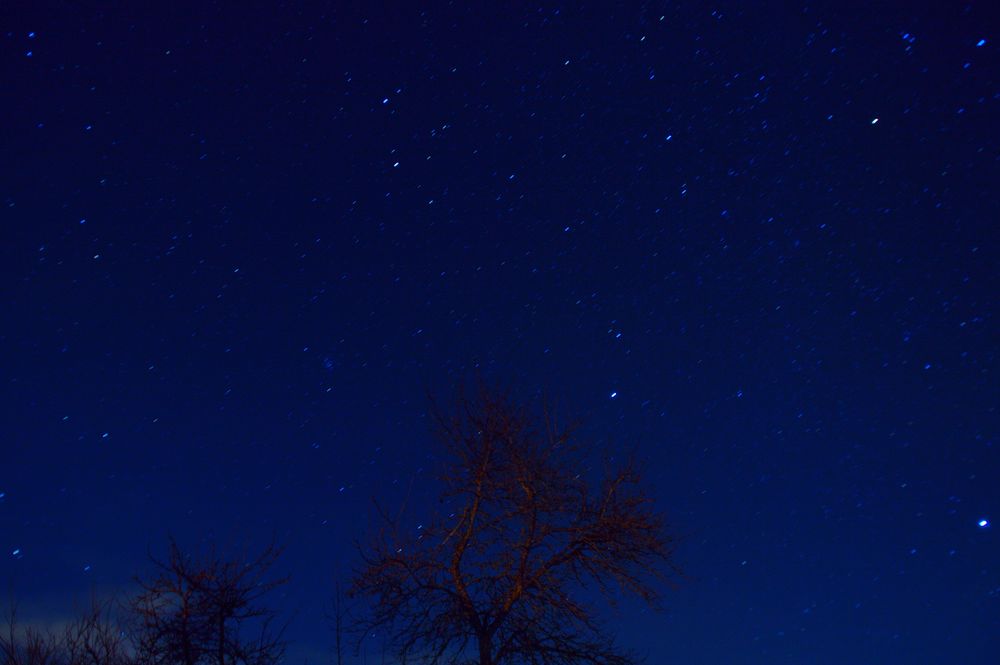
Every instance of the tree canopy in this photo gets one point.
(501, 576)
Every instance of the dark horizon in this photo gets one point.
(753, 246)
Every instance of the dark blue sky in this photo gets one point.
(755, 243)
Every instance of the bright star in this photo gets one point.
(983, 523)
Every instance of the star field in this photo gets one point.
(752, 245)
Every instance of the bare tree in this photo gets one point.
(26, 646)
(336, 619)
(95, 637)
(207, 611)
(501, 578)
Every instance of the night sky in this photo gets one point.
(753, 244)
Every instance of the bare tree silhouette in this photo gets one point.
(27, 646)
(336, 619)
(498, 578)
(95, 637)
(199, 612)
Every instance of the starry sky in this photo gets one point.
(752, 243)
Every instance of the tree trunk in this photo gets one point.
(222, 639)
(485, 650)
